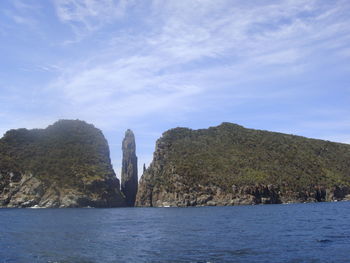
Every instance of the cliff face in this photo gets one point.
(129, 168)
(64, 165)
(231, 165)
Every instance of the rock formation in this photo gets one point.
(65, 165)
(232, 165)
(129, 168)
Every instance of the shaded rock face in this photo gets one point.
(231, 165)
(64, 165)
(211, 195)
(129, 168)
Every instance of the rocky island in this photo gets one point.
(65, 165)
(232, 165)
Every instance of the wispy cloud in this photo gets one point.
(157, 63)
(87, 16)
(22, 13)
(123, 88)
(189, 42)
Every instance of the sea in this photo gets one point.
(310, 233)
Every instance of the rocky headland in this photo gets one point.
(65, 165)
(232, 165)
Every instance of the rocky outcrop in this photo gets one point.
(211, 195)
(231, 165)
(65, 165)
(129, 168)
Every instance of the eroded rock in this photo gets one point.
(129, 177)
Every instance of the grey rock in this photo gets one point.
(129, 178)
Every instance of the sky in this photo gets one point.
(152, 65)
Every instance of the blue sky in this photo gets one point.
(152, 65)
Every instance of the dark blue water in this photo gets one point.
(318, 232)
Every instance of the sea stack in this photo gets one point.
(129, 168)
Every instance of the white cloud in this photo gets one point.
(121, 91)
(184, 49)
(279, 58)
(21, 16)
(148, 61)
(166, 66)
(87, 16)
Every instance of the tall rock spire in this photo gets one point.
(129, 168)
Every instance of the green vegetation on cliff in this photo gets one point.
(68, 156)
(230, 154)
(67, 151)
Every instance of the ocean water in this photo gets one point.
(315, 232)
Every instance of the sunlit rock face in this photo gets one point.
(129, 169)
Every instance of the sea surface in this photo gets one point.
(315, 232)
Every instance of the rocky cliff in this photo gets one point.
(65, 165)
(232, 165)
(129, 168)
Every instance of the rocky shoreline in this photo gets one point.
(26, 190)
(246, 195)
